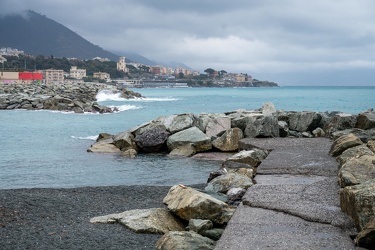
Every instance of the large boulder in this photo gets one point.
(340, 121)
(364, 135)
(188, 203)
(181, 122)
(217, 125)
(251, 157)
(357, 170)
(229, 140)
(343, 143)
(193, 136)
(268, 109)
(356, 151)
(187, 240)
(359, 202)
(366, 120)
(304, 121)
(366, 238)
(152, 140)
(242, 121)
(266, 126)
(124, 141)
(223, 183)
(186, 150)
(104, 146)
(153, 220)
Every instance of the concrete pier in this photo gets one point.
(294, 203)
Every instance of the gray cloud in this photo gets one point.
(257, 37)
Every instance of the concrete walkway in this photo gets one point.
(295, 202)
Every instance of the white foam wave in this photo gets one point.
(108, 95)
(125, 107)
(93, 137)
(147, 99)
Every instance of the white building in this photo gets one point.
(77, 73)
(121, 65)
(53, 75)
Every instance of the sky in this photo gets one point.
(292, 42)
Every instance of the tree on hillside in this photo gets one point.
(209, 71)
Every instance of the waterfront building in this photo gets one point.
(53, 75)
(77, 73)
(102, 76)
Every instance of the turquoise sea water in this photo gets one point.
(48, 149)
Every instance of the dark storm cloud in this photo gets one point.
(238, 36)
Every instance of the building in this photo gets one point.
(121, 65)
(240, 78)
(102, 76)
(77, 73)
(53, 75)
(8, 77)
(2, 59)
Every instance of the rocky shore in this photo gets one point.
(70, 97)
(206, 212)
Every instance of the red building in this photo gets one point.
(30, 76)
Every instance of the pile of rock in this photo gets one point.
(188, 134)
(72, 97)
(355, 151)
(195, 219)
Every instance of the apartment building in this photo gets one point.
(77, 73)
(53, 75)
(102, 76)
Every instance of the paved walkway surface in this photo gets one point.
(295, 202)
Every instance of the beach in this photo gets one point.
(45, 218)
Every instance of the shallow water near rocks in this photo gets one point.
(48, 149)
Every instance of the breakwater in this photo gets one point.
(190, 134)
(72, 97)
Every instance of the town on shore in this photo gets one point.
(20, 68)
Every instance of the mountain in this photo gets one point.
(38, 35)
(134, 57)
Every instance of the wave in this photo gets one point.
(148, 99)
(108, 95)
(125, 107)
(93, 137)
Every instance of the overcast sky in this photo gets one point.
(285, 40)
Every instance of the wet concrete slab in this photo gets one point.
(295, 201)
(258, 228)
(306, 156)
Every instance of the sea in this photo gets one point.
(48, 149)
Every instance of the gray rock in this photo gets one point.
(229, 140)
(104, 146)
(371, 145)
(283, 129)
(223, 183)
(359, 202)
(181, 122)
(267, 126)
(366, 237)
(340, 121)
(153, 220)
(366, 120)
(191, 136)
(214, 234)
(318, 132)
(217, 125)
(186, 150)
(124, 141)
(357, 170)
(152, 140)
(343, 143)
(188, 203)
(268, 109)
(184, 241)
(200, 226)
(251, 157)
(357, 151)
(304, 121)
(242, 122)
